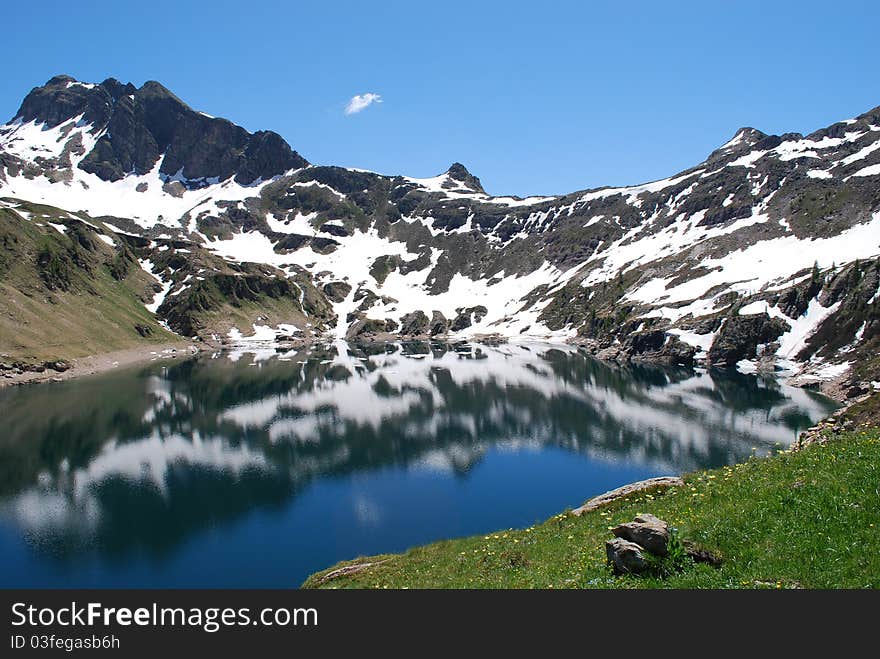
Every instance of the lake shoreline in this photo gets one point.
(102, 363)
(833, 388)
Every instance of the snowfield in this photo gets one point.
(351, 263)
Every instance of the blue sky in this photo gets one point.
(533, 97)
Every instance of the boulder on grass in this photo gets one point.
(625, 557)
(647, 531)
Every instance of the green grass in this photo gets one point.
(59, 299)
(804, 519)
(863, 414)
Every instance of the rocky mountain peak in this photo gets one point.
(62, 98)
(117, 89)
(459, 172)
(138, 126)
(871, 117)
(155, 88)
(743, 140)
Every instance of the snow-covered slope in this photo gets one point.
(751, 255)
(147, 198)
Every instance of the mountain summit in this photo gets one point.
(459, 172)
(140, 128)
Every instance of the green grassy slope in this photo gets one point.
(804, 519)
(68, 294)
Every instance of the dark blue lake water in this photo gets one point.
(256, 468)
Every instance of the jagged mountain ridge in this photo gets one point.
(716, 261)
(134, 127)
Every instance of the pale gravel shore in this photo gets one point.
(104, 362)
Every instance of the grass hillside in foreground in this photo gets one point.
(802, 519)
(65, 292)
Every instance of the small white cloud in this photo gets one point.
(362, 102)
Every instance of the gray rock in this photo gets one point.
(336, 291)
(59, 365)
(439, 324)
(365, 328)
(414, 324)
(459, 172)
(660, 482)
(646, 531)
(740, 336)
(625, 557)
(658, 346)
(648, 518)
(466, 317)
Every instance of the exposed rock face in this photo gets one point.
(414, 324)
(140, 126)
(459, 173)
(648, 518)
(646, 531)
(657, 345)
(740, 336)
(647, 534)
(368, 328)
(625, 557)
(63, 97)
(855, 293)
(439, 325)
(467, 317)
(336, 291)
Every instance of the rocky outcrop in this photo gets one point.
(368, 328)
(625, 557)
(414, 324)
(467, 317)
(646, 530)
(336, 291)
(740, 337)
(854, 328)
(417, 324)
(62, 97)
(660, 482)
(644, 546)
(19, 367)
(142, 125)
(656, 346)
(439, 324)
(459, 173)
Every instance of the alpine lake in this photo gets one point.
(258, 466)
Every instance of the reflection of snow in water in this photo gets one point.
(71, 502)
(662, 422)
(682, 410)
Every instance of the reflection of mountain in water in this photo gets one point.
(144, 458)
